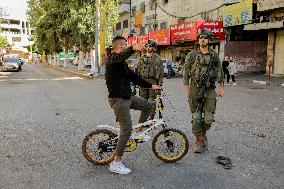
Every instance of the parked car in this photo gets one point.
(133, 64)
(20, 62)
(174, 67)
(11, 63)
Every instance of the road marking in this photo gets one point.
(48, 79)
(5, 73)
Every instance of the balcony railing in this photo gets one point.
(17, 26)
(123, 8)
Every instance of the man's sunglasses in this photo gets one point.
(149, 46)
(203, 37)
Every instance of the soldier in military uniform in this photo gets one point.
(152, 70)
(196, 66)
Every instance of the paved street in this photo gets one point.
(45, 115)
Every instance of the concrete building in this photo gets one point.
(158, 15)
(16, 28)
(273, 23)
(248, 48)
(123, 25)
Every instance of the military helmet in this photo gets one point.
(151, 43)
(205, 32)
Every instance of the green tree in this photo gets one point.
(109, 17)
(3, 42)
(66, 23)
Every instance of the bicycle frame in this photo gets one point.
(155, 123)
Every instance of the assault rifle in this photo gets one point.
(204, 83)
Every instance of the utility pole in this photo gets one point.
(97, 40)
(155, 15)
(130, 19)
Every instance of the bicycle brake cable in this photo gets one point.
(172, 106)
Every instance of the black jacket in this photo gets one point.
(225, 65)
(119, 75)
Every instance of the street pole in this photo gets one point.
(130, 20)
(97, 39)
(155, 20)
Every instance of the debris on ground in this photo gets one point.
(261, 135)
(225, 161)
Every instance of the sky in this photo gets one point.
(15, 8)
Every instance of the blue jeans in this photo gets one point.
(169, 67)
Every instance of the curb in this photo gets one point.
(84, 75)
(259, 82)
(267, 83)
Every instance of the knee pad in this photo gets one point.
(208, 118)
(197, 117)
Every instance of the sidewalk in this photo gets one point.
(260, 79)
(86, 73)
(241, 78)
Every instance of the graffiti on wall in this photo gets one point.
(249, 63)
(237, 14)
(252, 60)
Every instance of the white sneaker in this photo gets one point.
(234, 83)
(119, 168)
(145, 138)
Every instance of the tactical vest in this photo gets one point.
(150, 67)
(200, 66)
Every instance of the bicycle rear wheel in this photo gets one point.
(170, 145)
(99, 146)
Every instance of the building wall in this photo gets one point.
(250, 56)
(270, 44)
(180, 8)
(124, 31)
(265, 5)
(275, 47)
(17, 31)
(196, 10)
(278, 66)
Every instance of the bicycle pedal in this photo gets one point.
(140, 141)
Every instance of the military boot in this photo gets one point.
(199, 144)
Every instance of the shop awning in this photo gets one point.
(162, 37)
(265, 25)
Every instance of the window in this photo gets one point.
(133, 11)
(152, 5)
(16, 39)
(125, 24)
(118, 26)
(142, 7)
(142, 30)
(165, 1)
(150, 28)
(149, 19)
(163, 25)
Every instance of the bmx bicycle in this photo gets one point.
(169, 144)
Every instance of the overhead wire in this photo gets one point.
(183, 17)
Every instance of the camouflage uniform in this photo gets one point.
(196, 65)
(152, 70)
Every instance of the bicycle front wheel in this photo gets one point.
(99, 146)
(170, 145)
